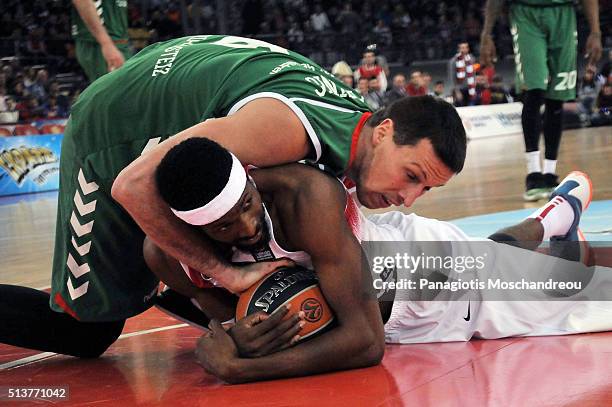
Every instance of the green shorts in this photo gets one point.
(92, 61)
(545, 42)
(99, 273)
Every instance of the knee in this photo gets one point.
(553, 107)
(102, 336)
(533, 99)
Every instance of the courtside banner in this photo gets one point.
(29, 164)
(491, 120)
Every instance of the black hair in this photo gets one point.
(420, 117)
(192, 173)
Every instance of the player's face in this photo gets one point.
(392, 174)
(244, 225)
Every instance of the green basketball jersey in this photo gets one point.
(113, 14)
(172, 85)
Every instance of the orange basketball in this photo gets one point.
(295, 285)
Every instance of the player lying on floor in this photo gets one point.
(297, 210)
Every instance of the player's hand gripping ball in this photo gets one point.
(295, 285)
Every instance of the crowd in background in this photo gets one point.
(473, 85)
(40, 78)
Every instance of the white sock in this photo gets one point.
(533, 162)
(550, 166)
(556, 217)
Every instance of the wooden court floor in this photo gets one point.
(153, 364)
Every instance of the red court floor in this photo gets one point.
(159, 368)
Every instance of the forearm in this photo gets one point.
(492, 11)
(215, 302)
(168, 270)
(341, 348)
(175, 238)
(591, 12)
(87, 11)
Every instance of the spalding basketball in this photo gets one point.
(295, 285)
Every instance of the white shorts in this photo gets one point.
(446, 321)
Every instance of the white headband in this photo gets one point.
(222, 203)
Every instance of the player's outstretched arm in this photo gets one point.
(492, 10)
(264, 132)
(593, 45)
(357, 340)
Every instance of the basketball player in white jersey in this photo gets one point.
(287, 215)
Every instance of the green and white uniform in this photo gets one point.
(113, 14)
(545, 41)
(98, 270)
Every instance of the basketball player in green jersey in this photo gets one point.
(100, 34)
(545, 38)
(264, 103)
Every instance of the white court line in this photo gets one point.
(45, 355)
(26, 361)
(47, 287)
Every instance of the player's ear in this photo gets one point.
(382, 131)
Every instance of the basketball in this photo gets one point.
(290, 285)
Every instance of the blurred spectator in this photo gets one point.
(348, 21)
(20, 92)
(465, 74)
(458, 97)
(369, 68)
(295, 35)
(606, 68)
(3, 98)
(343, 71)
(472, 27)
(375, 97)
(415, 87)
(349, 25)
(483, 92)
(39, 87)
(438, 90)
(603, 113)
(53, 110)
(319, 20)
(62, 100)
(398, 89)
(499, 93)
(363, 86)
(381, 60)
(10, 113)
(382, 33)
(30, 109)
(29, 77)
(426, 79)
(588, 92)
(401, 18)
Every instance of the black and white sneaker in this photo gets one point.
(551, 181)
(535, 188)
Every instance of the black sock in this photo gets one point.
(553, 126)
(531, 119)
(29, 322)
